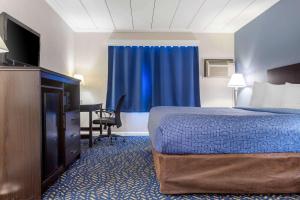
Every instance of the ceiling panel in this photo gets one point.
(121, 14)
(163, 13)
(207, 13)
(232, 10)
(159, 15)
(186, 11)
(142, 11)
(98, 11)
(73, 13)
(257, 8)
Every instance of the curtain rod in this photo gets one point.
(152, 43)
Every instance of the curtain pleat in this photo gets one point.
(153, 76)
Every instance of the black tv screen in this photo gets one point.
(23, 45)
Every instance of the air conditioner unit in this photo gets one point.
(218, 67)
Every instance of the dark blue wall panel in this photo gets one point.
(269, 41)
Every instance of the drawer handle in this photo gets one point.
(73, 152)
(73, 135)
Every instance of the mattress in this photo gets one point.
(187, 130)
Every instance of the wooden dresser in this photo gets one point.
(39, 129)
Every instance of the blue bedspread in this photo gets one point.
(186, 130)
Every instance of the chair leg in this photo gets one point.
(109, 134)
(100, 128)
(96, 140)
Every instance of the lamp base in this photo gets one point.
(235, 97)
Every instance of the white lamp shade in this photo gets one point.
(79, 77)
(3, 47)
(237, 81)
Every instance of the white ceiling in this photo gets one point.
(213, 16)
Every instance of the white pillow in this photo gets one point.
(258, 94)
(291, 97)
(273, 96)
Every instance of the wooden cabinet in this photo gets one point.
(20, 135)
(39, 130)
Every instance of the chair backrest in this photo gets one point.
(118, 111)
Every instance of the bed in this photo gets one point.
(228, 150)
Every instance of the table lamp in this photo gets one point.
(3, 47)
(236, 81)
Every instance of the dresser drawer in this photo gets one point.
(73, 121)
(72, 136)
(72, 131)
(71, 154)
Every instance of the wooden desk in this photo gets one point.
(90, 108)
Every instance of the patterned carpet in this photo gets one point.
(122, 171)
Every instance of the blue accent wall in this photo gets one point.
(269, 41)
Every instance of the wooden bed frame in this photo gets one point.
(233, 173)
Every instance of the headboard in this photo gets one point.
(280, 75)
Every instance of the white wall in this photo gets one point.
(91, 61)
(214, 91)
(57, 39)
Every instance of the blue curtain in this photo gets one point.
(152, 76)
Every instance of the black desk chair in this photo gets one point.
(109, 119)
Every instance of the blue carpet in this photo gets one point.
(122, 171)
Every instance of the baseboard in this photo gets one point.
(132, 133)
(96, 133)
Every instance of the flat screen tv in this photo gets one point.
(23, 43)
